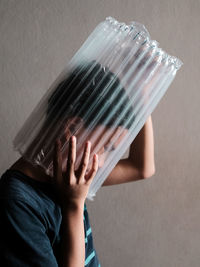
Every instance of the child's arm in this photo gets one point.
(140, 163)
(72, 188)
(72, 251)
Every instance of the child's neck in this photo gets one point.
(35, 172)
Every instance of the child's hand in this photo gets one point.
(72, 186)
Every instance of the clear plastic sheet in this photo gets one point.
(105, 95)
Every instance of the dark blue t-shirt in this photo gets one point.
(30, 219)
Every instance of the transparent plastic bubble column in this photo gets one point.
(105, 94)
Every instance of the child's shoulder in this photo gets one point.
(15, 185)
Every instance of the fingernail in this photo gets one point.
(73, 138)
(88, 142)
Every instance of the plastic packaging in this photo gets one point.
(105, 95)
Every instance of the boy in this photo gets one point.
(44, 220)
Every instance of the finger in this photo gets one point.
(116, 139)
(70, 177)
(122, 133)
(110, 144)
(84, 162)
(89, 177)
(57, 161)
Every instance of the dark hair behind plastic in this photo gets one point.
(96, 81)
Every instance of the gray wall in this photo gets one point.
(149, 223)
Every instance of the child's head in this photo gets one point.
(92, 95)
(89, 103)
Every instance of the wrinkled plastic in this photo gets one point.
(105, 95)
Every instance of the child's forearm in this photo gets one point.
(72, 253)
(142, 149)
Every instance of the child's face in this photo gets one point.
(103, 140)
